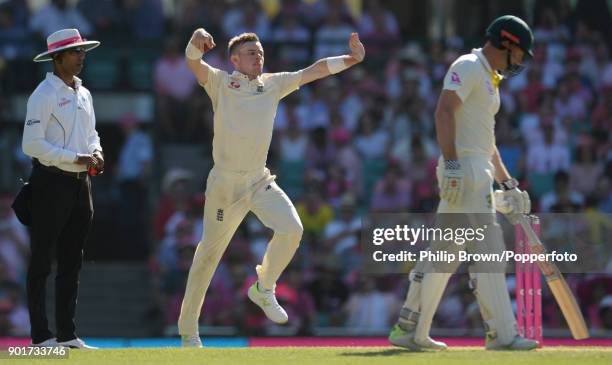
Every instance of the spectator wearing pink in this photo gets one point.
(336, 184)
(421, 172)
(299, 302)
(174, 84)
(392, 192)
(533, 89)
(177, 196)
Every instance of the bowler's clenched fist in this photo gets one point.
(202, 40)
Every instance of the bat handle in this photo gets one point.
(525, 222)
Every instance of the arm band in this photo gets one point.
(192, 52)
(335, 64)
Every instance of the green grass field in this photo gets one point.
(329, 355)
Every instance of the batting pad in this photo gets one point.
(492, 294)
(432, 288)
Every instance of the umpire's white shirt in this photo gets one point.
(60, 122)
(244, 112)
(471, 77)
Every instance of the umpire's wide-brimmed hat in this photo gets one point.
(64, 39)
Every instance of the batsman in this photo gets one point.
(244, 106)
(470, 161)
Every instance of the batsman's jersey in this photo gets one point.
(472, 78)
(244, 112)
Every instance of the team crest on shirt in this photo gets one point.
(64, 101)
(234, 85)
(455, 79)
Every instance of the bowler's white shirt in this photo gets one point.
(60, 122)
(244, 112)
(470, 76)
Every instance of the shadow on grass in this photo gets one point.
(389, 352)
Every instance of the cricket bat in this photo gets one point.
(557, 284)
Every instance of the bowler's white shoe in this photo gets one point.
(191, 341)
(77, 343)
(266, 300)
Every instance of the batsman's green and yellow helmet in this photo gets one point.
(512, 29)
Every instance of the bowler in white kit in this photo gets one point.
(244, 105)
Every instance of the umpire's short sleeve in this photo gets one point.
(461, 78)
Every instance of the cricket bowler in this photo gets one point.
(244, 106)
(470, 161)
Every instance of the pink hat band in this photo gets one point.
(64, 42)
(63, 39)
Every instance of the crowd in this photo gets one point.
(352, 144)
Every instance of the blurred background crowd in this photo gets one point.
(356, 143)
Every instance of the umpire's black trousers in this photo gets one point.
(62, 212)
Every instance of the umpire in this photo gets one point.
(60, 136)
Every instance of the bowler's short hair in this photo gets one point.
(239, 40)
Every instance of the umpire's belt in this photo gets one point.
(77, 175)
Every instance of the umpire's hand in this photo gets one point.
(86, 159)
(100, 158)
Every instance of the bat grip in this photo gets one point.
(531, 236)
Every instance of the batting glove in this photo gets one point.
(511, 201)
(451, 188)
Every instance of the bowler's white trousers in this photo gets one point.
(229, 197)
